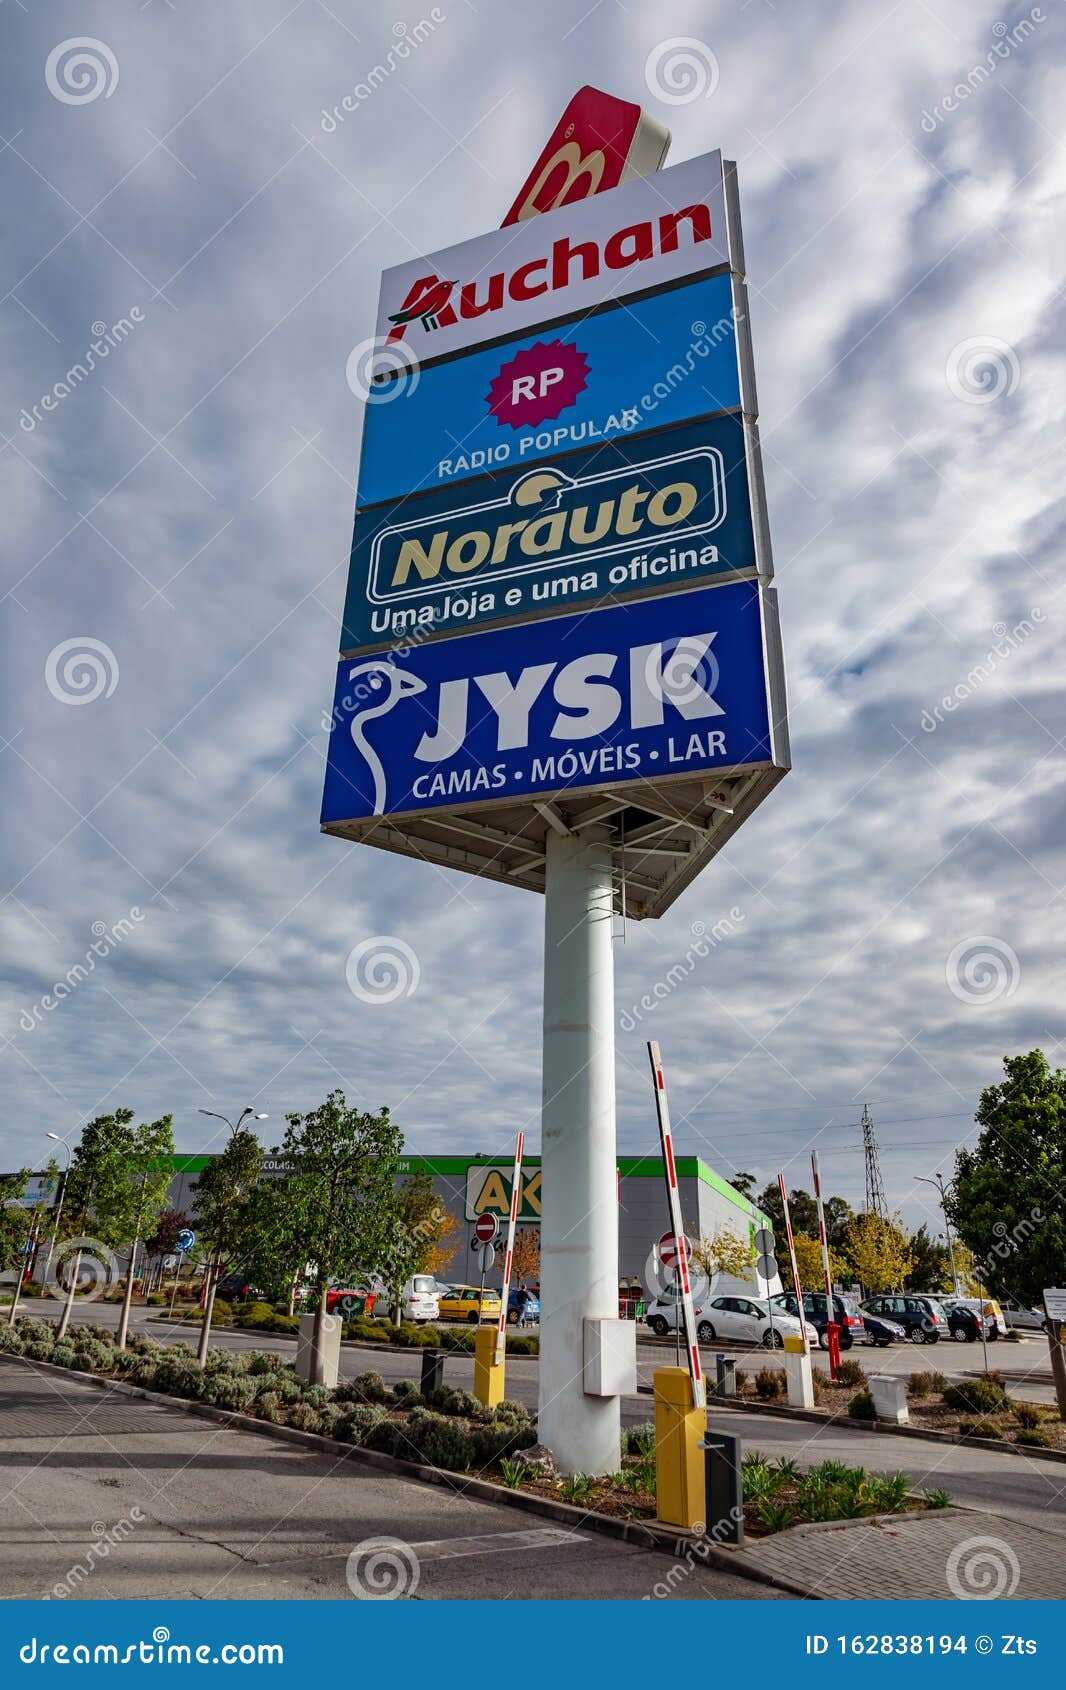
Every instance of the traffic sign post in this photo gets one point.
(186, 1240)
(486, 1228)
(1055, 1310)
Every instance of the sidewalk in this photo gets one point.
(952, 1554)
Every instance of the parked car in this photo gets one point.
(1024, 1320)
(740, 1320)
(523, 1309)
(349, 1301)
(922, 1317)
(235, 1287)
(995, 1322)
(419, 1299)
(462, 1303)
(964, 1323)
(881, 1332)
(846, 1313)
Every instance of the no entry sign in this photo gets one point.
(485, 1228)
(669, 1254)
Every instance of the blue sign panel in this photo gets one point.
(659, 511)
(186, 1239)
(642, 365)
(628, 694)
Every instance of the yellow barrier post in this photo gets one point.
(680, 1484)
(488, 1370)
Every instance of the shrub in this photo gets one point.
(769, 1383)
(266, 1361)
(742, 1381)
(984, 1395)
(63, 1354)
(861, 1406)
(979, 1429)
(355, 1426)
(406, 1394)
(439, 1441)
(457, 1338)
(851, 1373)
(365, 1387)
(493, 1442)
(387, 1437)
(227, 1390)
(511, 1410)
(523, 1344)
(318, 1396)
(289, 1388)
(268, 1407)
(919, 1385)
(1028, 1414)
(1033, 1438)
(639, 1440)
(461, 1403)
(305, 1417)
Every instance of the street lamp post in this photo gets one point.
(216, 1266)
(59, 1209)
(939, 1183)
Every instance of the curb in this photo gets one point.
(662, 1539)
(922, 1433)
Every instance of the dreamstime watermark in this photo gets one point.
(382, 969)
(704, 340)
(982, 969)
(408, 37)
(381, 1569)
(704, 942)
(81, 670)
(379, 372)
(368, 674)
(982, 1569)
(106, 337)
(105, 940)
(1009, 1240)
(92, 1265)
(696, 1554)
(159, 1651)
(981, 369)
(105, 1538)
(1007, 38)
(80, 69)
(1007, 641)
(681, 70)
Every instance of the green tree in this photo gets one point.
(723, 1252)
(275, 1250)
(16, 1231)
(148, 1165)
(930, 1265)
(879, 1251)
(419, 1219)
(839, 1215)
(340, 1177)
(223, 1198)
(745, 1184)
(802, 1208)
(1005, 1201)
(100, 1204)
(809, 1262)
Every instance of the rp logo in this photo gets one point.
(538, 383)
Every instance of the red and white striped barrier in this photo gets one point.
(508, 1252)
(699, 1394)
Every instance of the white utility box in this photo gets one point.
(610, 1368)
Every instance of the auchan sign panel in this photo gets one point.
(598, 143)
(642, 235)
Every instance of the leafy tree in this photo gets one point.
(723, 1252)
(163, 1240)
(275, 1249)
(526, 1262)
(418, 1220)
(931, 1264)
(1005, 1201)
(839, 1215)
(802, 1208)
(879, 1251)
(745, 1184)
(340, 1178)
(148, 1161)
(17, 1228)
(224, 1212)
(809, 1262)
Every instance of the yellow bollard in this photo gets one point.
(488, 1372)
(680, 1486)
(795, 1346)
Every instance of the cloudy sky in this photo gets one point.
(182, 519)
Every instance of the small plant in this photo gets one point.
(406, 1394)
(769, 1383)
(365, 1387)
(983, 1395)
(305, 1417)
(355, 1426)
(268, 1407)
(786, 1470)
(979, 1429)
(742, 1381)
(640, 1440)
(758, 1477)
(1033, 1438)
(936, 1498)
(861, 1406)
(775, 1516)
(851, 1373)
(512, 1472)
(1028, 1415)
(919, 1385)
(575, 1487)
(889, 1493)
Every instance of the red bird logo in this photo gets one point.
(425, 301)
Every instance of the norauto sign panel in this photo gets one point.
(651, 513)
(648, 364)
(640, 236)
(638, 692)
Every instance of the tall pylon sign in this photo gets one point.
(560, 663)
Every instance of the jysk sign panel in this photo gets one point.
(658, 361)
(636, 693)
(641, 236)
(643, 514)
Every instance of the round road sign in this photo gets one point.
(186, 1239)
(668, 1252)
(485, 1228)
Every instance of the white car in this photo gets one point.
(420, 1299)
(737, 1319)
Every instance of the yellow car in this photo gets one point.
(460, 1302)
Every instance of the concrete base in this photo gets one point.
(321, 1367)
(890, 1398)
(798, 1375)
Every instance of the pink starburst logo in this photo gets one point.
(537, 384)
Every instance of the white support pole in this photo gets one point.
(579, 1192)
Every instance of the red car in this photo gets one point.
(349, 1302)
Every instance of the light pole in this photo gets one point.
(939, 1183)
(59, 1208)
(216, 1266)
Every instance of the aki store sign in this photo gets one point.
(637, 237)
(647, 691)
(657, 361)
(488, 1192)
(647, 514)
